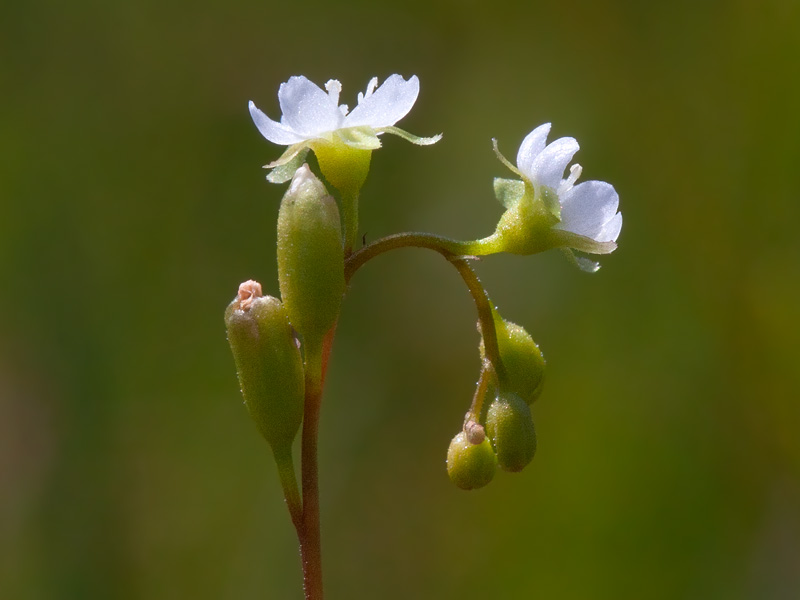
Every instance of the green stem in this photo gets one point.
(310, 544)
(350, 218)
(442, 245)
(475, 410)
(291, 493)
(454, 251)
(485, 316)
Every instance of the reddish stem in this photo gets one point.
(309, 532)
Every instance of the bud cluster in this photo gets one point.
(500, 411)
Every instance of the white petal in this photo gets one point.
(588, 207)
(273, 131)
(386, 105)
(548, 167)
(611, 229)
(530, 148)
(307, 109)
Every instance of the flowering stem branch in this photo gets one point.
(444, 246)
(309, 534)
(317, 353)
(485, 315)
(455, 252)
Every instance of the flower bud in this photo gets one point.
(522, 359)
(310, 255)
(268, 363)
(509, 425)
(470, 466)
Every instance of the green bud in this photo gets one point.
(470, 466)
(269, 364)
(522, 359)
(310, 255)
(510, 427)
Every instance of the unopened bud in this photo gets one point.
(269, 364)
(470, 466)
(509, 425)
(522, 359)
(310, 255)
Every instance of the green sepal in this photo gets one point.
(361, 138)
(550, 201)
(287, 155)
(286, 170)
(508, 191)
(568, 239)
(504, 160)
(410, 137)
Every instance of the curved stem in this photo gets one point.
(317, 353)
(310, 545)
(454, 251)
(485, 315)
(442, 245)
(476, 408)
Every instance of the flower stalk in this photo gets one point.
(456, 253)
(310, 542)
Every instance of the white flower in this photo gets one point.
(588, 209)
(545, 211)
(313, 118)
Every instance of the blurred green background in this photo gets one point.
(133, 203)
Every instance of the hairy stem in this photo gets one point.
(317, 353)
(485, 315)
(455, 252)
(476, 409)
(442, 245)
(350, 217)
(310, 544)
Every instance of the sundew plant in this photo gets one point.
(281, 346)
